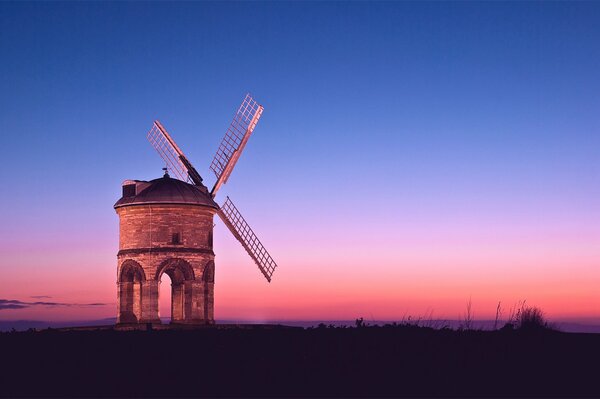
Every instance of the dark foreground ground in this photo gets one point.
(367, 361)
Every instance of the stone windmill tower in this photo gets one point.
(166, 227)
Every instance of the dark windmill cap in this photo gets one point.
(164, 190)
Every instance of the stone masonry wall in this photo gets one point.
(152, 226)
(146, 237)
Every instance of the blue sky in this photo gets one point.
(379, 117)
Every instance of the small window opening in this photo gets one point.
(175, 238)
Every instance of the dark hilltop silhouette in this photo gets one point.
(263, 360)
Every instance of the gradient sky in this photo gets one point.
(411, 155)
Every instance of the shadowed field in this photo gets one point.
(258, 361)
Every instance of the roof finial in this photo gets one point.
(166, 172)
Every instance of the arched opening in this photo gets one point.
(130, 292)
(165, 301)
(174, 293)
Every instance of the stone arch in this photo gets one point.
(130, 279)
(177, 269)
(182, 276)
(131, 270)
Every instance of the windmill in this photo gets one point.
(166, 227)
(233, 143)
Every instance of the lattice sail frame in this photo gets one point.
(168, 150)
(238, 226)
(236, 137)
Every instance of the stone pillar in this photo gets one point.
(177, 300)
(137, 300)
(209, 302)
(125, 299)
(194, 302)
(150, 302)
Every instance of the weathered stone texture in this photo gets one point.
(174, 239)
(153, 226)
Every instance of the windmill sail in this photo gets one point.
(176, 162)
(236, 137)
(244, 234)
